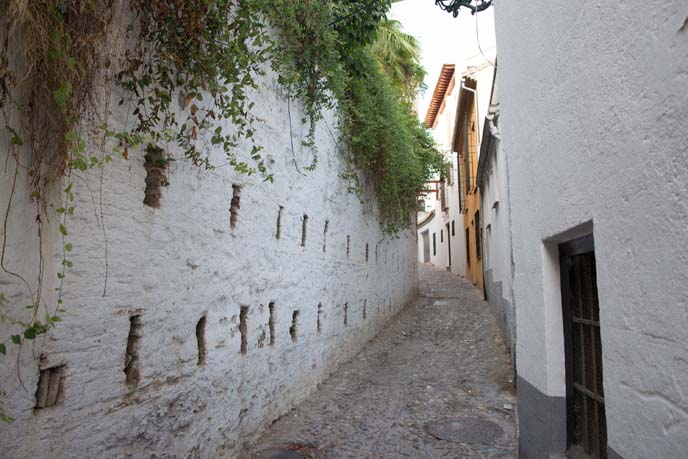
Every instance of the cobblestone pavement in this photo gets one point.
(435, 383)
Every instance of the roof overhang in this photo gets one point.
(427, 220)
(441, 88)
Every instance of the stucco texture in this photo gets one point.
(594, 107)
(180, 262)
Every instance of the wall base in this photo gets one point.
(542, 422)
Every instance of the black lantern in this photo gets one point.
(452, 6)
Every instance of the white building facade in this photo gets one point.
(594, 103)
(440, 240)
(493, 180)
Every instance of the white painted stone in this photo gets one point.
(594, 109)
(496, 219)
(180, 262)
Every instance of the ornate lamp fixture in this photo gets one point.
(452, 6)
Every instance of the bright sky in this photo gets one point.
(443, 38)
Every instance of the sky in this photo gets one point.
(443, 38)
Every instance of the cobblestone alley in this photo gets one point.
(435, 383)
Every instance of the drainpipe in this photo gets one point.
(477, 117)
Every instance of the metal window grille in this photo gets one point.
(461, 186)
(468, 246)
(478, 233)
(586, 421)
(470, 154)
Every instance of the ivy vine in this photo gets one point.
(190, 69)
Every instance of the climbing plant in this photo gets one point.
(186, 76)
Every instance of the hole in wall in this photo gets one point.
(200, 340)
(348, 245)
(131, 359)
(327, 225)
(319, 325)
(294, 324)
(155, 163)
(235, 206)
(304, 228)
(375, 253)
(366, 253)
(346, 314)
(243, 328)
(50, 386)
(278, 232)
(271, 324)
(365, 309)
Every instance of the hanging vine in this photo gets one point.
(189, 68)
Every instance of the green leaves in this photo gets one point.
(61, 95)
(15, 139)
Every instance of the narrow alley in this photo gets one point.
(364, 229)
(435, 382)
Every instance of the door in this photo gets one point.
(585, 411)
(449, 246)
(426, 246)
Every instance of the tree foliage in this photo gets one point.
(398, 54)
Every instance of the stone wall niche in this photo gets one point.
(50, 387)
(131, 359)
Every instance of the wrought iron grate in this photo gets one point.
(590, 431)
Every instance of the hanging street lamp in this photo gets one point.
(452, 6)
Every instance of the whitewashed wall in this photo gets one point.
(175, 264)
(443, 132)
(496, 221)
(438, 226)
(594, 109)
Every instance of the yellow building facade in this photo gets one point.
(465, 142)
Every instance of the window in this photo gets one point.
(453, 228)
(486, 241)
(467, 156)
(478, 233)
(468, 246)
(434, 244)
(441, 235)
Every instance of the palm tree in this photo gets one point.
(398, 54)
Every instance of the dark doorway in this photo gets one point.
(449, 246)
(585, 412)
(426, 246)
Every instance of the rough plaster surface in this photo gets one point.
(496, 222)
(178, 263)
(594, 109)
(441, 358)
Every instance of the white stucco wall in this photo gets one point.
(180, 262)
(443, 132)
(438, 226)
(594, 109)
(496, 220)
(495, 205)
